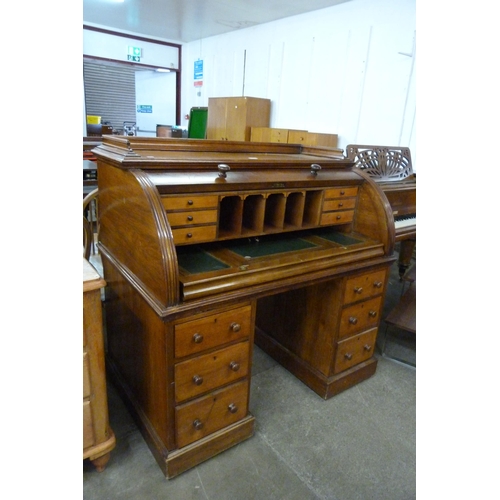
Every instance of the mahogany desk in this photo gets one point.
(210, 245)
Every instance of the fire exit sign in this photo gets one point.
(134, 53)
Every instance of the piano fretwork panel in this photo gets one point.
(391, 168)
(208, 246)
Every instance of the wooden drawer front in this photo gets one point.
(210, 413)
(205, 373)
(355, 350)
(86, 376)
(190, 218)
(360, 316)
(364, 286)
(341, 192)
(189, 202)
(339, 204)
(194, 234)
(337, 217)
(88, 428)
(211, 331)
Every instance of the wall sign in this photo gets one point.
(198, 73)
(134, 53)
(144, 108)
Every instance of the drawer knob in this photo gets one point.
(235, 366)
(190, 218)
(198, 424)
(235, 327)
(339, 217)
(377, 284)
(358, 289)
(189, 235)
(190, 202)
(197, 380)
(342, 192)
(341, 204)
(315, 168)
(232, 408)
(367, 347)
(223, 170)
(197, 338)
(348, 355)
(353, 320)
(372, 314)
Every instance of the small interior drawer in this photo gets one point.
(189, 202)
(341, 192)
(196, 234)
(192, 217)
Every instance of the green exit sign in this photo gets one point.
(134, 53)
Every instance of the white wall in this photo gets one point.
(158, 91)
(348, 69)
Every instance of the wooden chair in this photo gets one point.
(91, 229)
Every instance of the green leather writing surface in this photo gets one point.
(256, 247)
(340, 238)
(194, 260)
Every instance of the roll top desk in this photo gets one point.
(210, 246)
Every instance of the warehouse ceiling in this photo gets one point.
(182, 21)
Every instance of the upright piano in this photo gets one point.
(392, 169)
(208, 246)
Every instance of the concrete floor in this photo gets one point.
(359, 445)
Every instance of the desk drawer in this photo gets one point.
(189, 202)
(360, 316)
(364, 286)
(339, 217)
(194, 234)
(190, 218)
(355, 350)
(197, 419)
(211, 331)
(207, 372)
(339, 204)
(341, 192)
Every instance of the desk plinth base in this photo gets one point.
(326, 387)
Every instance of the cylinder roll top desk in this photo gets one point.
(210, 246)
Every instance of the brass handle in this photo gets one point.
(367, 347)
(235, 327)
(198, 424)
(348, 355)
(235, 366)
(197, 380)
(378, 284)
(232, 408)
(358, 289)
(197, 338)
(189, 218)
(353, 320)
